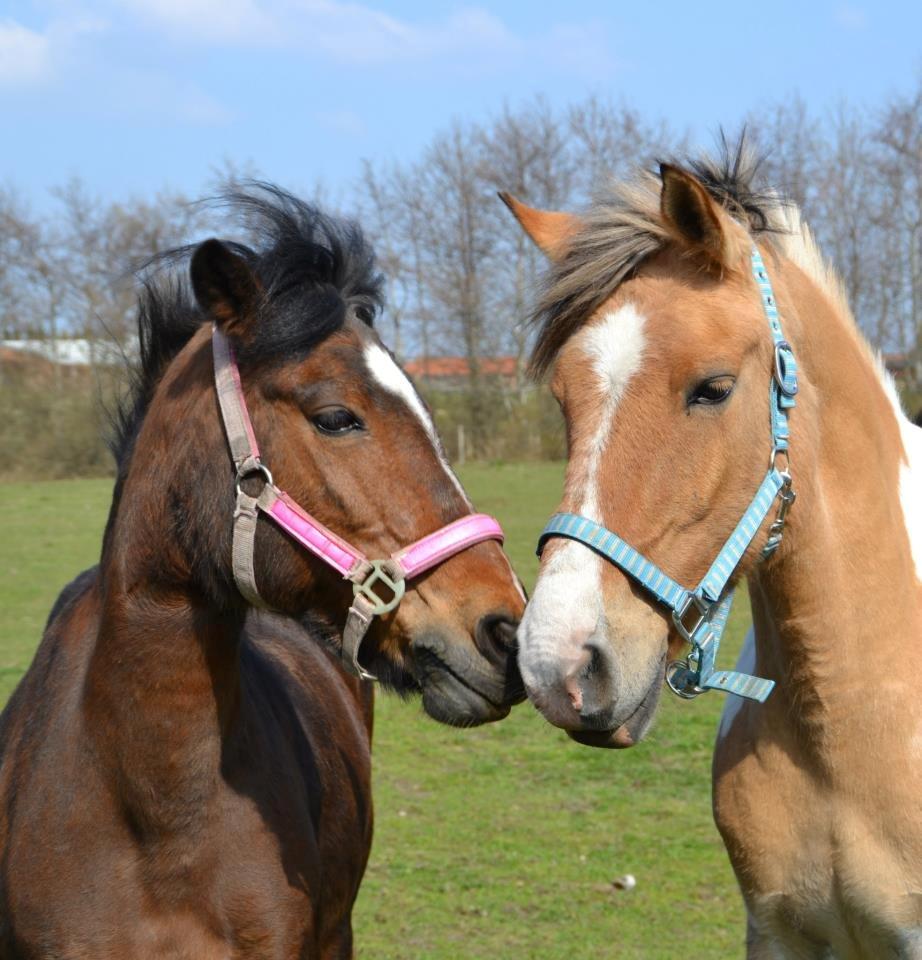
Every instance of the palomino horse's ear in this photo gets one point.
(551, 231)
(695, 219)
(224, 285)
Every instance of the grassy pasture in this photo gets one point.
(499, 842)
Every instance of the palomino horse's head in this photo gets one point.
(653, 329)
(344, 434)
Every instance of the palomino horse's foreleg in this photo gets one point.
(764, 946)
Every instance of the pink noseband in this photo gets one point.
(337, 553)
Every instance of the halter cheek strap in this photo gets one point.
(367, 576)
(700, 615)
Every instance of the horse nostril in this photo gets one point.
(495, 638)
(595, 681)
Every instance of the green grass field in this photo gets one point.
(499, 842)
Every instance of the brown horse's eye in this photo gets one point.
(712, 391)
(336, 421)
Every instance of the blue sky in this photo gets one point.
(135, 95)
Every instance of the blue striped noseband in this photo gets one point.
(700, 615)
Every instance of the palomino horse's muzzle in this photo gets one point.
(378, 585)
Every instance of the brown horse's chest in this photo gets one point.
(82, 885)
(265, 863)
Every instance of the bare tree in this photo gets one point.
(527, 153)
(898, 137)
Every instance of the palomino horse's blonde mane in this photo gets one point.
(795, 241)
(624, 226)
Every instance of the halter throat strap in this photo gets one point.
(700, 615)
(368, 577)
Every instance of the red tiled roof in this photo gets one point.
(435, 367)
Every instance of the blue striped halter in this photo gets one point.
(700, 615)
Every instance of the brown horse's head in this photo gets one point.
(653, 330)
(345, 435)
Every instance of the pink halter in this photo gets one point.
(365, 574)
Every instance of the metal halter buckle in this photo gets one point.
(380, 572)
(248, 469)
(780, 347)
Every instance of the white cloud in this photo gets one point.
(357, 34)
(212, 21)
(25, 56)
(30, 57)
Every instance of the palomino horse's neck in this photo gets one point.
(837, 612)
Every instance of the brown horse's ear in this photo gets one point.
(695, 219)
(224, 285)
(551, 231)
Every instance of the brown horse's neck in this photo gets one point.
(162, 690)
(830, 611)
(163, 685)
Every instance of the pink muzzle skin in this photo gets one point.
(367, 576)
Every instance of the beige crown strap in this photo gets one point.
(237, 426)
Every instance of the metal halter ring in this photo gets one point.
(787, 459)
(677, 670)
(381, 570)
(247, 469)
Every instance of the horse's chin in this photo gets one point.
(627, 734)
(456, 705)
(459, 686)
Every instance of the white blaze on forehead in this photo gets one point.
(382, 366)
(384, 369)
(614, 347)
(566, 608)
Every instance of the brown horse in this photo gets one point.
(180, 780)
(654, 323)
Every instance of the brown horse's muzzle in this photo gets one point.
(464, 683)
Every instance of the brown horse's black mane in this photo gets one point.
(623, 227)
(312, 269)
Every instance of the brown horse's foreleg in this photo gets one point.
(339, 946)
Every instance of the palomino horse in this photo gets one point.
(173, 784)
(679, 389)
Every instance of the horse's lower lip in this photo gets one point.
(609, 739)
(454, 693)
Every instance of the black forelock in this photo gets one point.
(313, 270)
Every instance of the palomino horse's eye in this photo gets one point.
(336, 421)
(712, 391)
